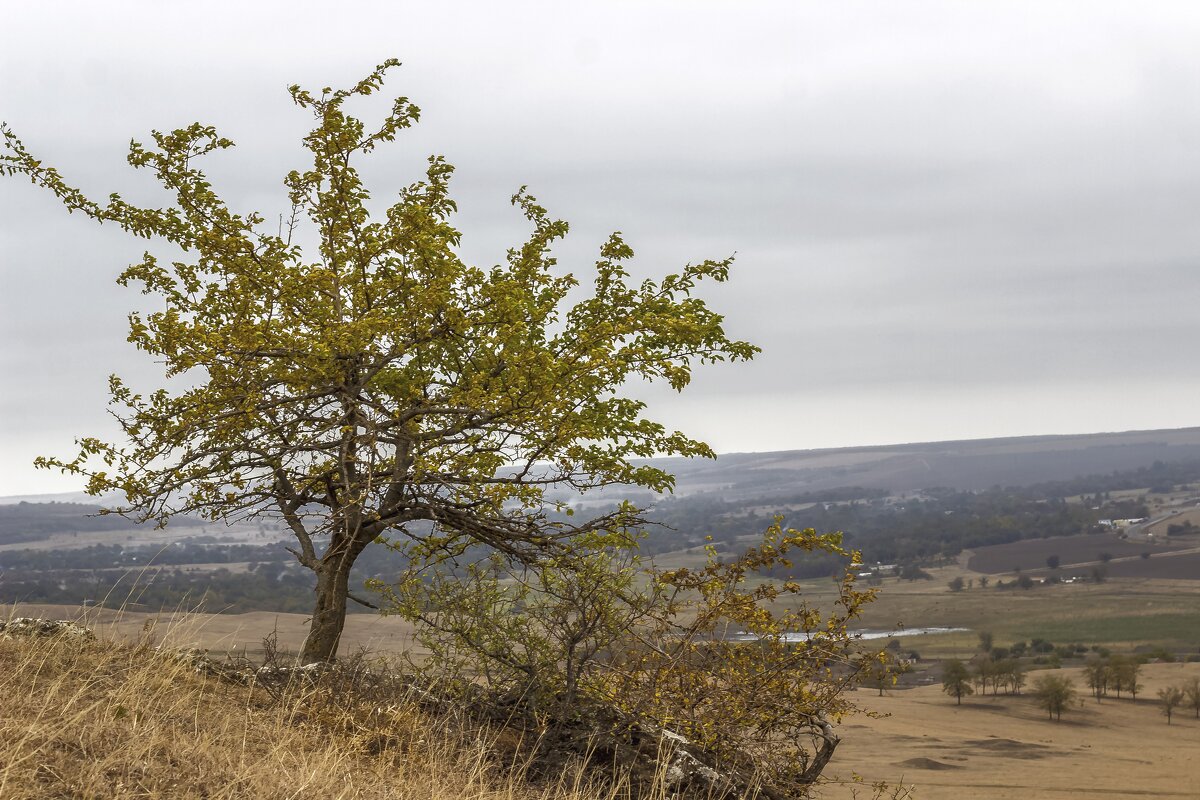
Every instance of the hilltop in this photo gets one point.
(95, 717)
(963, 465)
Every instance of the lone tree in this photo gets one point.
(1171, 698)
(1191, 695)
(956, 679)
(373, 387)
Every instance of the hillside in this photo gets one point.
(963, 465)
(59, 552)
(91, 717)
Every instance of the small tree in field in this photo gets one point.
(1098, 673)
(1170, 698)
(1054, 693)
(376, 388)
(956, 679)
(1191, 695)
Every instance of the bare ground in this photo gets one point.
(1004, 748)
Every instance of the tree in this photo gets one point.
(1191, 695)
(376, 388)
(956, 585)
(1098, 673)
(1053, 562)
(1016, 675)
(1170, 697)
(985, 670)
(956, 679)
(1124, 671)
(1054, 693)
(986, 640)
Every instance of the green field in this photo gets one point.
(1122, 614)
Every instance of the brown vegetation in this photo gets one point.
(98, 719)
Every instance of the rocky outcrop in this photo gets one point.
(31, 626)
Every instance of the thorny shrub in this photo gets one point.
(741, 666)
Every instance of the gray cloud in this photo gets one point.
(950, 219)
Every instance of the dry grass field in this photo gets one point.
(1005, 748)
(1030, 555)
(990, 747)
(240, 633)
(104, 721)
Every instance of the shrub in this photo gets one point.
(602, 649)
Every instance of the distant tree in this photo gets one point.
(1191, 695)
(984, 669)
(1124, 671)
(1054, 693)
(983, 582)
(1025, 582)
(1106, 557)
(878, 674)
(884, 670)
(1145, 554)
(956, 679)
(986, 641)
(911, 572)
(956, 585)
(1097, 674)
(1016, 675)
(1053, 561)
(1170, 698)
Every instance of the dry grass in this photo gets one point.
(101, 719)
(1004, 748)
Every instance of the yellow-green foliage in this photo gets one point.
(374, 385)
(739, 666)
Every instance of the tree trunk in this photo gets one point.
(329, 615)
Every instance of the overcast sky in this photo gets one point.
(951, 220)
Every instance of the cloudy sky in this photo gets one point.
(951, 220)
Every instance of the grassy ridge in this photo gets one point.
(97, 719)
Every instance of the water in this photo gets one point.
(863, 634)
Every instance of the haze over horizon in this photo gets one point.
(951, 221)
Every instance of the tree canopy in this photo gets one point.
(375, 387)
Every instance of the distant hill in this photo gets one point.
(79, 498)
(963, 465)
